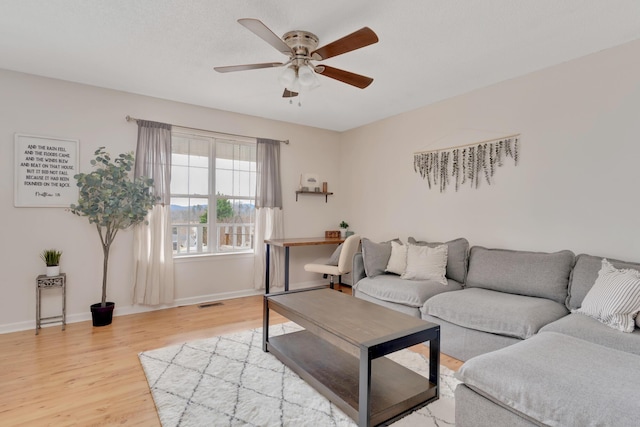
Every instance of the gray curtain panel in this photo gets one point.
(153, 157)
(268, 184)
(153, 260)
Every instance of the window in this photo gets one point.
(213, 186)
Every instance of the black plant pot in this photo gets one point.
(102, 316)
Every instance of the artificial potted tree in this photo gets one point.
(51, 258)
(112, 201)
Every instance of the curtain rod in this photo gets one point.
(468, 145)
(133, 119)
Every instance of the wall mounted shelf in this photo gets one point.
(317, 193)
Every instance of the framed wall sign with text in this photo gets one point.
(44, 170)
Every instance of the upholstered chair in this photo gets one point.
(345, 262)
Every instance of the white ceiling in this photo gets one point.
(429, 50)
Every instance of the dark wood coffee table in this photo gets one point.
(340, 352)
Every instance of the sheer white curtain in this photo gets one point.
(269, 215)
(153, 252)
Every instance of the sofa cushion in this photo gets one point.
(536, 274)
(558, 380)
(375, 256)
(411, 311)
(586, 328)
(389, 287)
(457, 256)
(398, 260)
(426, 263)
(473, 410)
(495, 312)
(615, 297)
(584, 275)
(465, 343)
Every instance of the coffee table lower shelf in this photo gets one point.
(395, 390)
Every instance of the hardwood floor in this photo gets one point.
(88, 376)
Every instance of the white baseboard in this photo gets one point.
(217, 297)
(132, 309)
(135, 309)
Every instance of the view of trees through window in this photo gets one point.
(207, 171)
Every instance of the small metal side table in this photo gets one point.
(47, 282)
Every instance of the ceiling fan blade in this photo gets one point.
(289, 94)
(347, 77)
(259, 29)
(356, 40)
(231, 68)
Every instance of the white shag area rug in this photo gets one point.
(229, 381)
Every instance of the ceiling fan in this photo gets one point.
(301, 48)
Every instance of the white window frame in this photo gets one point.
(212, 197)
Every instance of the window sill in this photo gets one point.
(211, 256)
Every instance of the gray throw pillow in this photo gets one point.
(335, 256)
(457, 259)
(375, 256)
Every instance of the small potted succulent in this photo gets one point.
(51, 258)
(343, 229)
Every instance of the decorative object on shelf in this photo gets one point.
(325, 187)
(470, 163)
(51, 258)
(343, 229)
(311, 181)
(111, 200)
(332, 234)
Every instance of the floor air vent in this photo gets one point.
(210, 304)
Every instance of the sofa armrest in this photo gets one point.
(358, 268)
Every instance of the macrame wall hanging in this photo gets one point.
(465, 164)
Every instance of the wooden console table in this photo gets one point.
(341, 352)
(286, 244)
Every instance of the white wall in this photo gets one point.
(576, 186)
(96, 117)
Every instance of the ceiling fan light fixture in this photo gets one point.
(306, 76)
(295, 86)
(288, 77)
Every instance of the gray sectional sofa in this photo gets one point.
(529, 361)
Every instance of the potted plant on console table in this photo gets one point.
(343, 229)
(112, 201)
(51, 258)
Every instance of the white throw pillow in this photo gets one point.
(614, 298)
(426, 263)
(398, 259)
